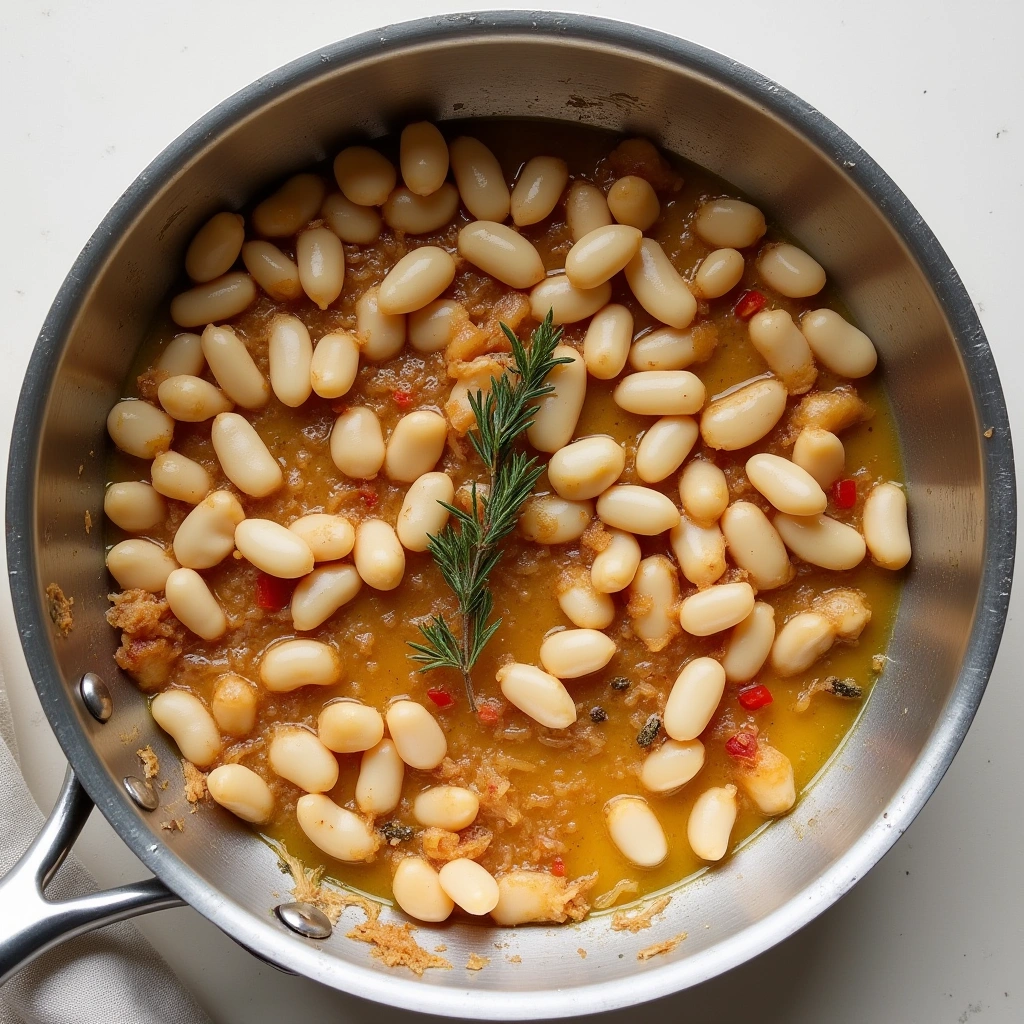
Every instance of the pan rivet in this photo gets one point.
(96, 697)
(142, 792)
(304, 920)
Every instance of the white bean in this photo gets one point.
(140, 429)
(582, 605)
(174, 476)
(703, 491)
(379, 784)
(293, 663)
(744, 416)
(658, 286)
(417, 890)
(571, 653)
(790, 271)
(600, 255)
(357, 225)
(193, 605)
(540, 186)
(337, 831)
(234, 704)
(729, 223)
(671, 766)
(788, 487)
(843, 348)
(220, 299)
(755, 545)
(585, 468)
(348, 727)
(290, 208)
(530, 896)
(415, 280)
(694, 698)
(660, 393)
(242, 792)
(321, 261)
(206, 535)
(801, 642)
(614, 567)
(711, 821)
(291, 358)
(419, 739)
(191, 399)
(215, 247)
(555, 416)
(700, 551)
(635, 831)
(785, 350)
(422, 515)
(423, 157)
(431, 328)
(821, 540)
(320, 594)
(471, 886)
(357, 443)
(185, 718)
(134, 506)
(768, 780)
(664, 447)
(364, 176)
(272, 270)
(415, 445)
(567, 303)
(607, 341)
(378, 555)
(479, 178)
(719, 272)
(183, 355)
(641, 510)
(502, 252)
(140, 564)
(633, 201)
(333, 365)
(885, 526)
(586, 209)
(382, 334)
(821, 454)
(716, 608)
(538, 694)
(654, 602)
(750, 644)
(421, 215)
(234, 368)
(670, 349)
(449, 807)
(243, 456)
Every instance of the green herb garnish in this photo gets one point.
(395, 831)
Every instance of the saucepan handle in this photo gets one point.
(30, 924)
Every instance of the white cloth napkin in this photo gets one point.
(110, 976)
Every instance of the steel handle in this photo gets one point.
(30, 924)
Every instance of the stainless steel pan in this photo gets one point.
(809, 176)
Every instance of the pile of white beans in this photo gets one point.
(332, 556)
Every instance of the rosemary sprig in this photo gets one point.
(468, 548)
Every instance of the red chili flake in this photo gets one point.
(442, 698)
(844, 493)
(339, 407)
(743, 744)
(754, 697)
(488, 715)
(369, 495)
(748, 304)
(273, 593)
(558, 867)
(402, 398)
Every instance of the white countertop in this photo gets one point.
(932, 90)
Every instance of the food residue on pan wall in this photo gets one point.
(59, 607)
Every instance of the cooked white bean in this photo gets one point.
(744, 416)
(556, 414)
(415, 445)
(140, 564)
(185, 718)
(175, 476)
(422, 515)
(711, 821)
(333, 365)
(431, 328)
(243, 456)
(885, 526)
(352, 223)
(382, 334)
(670, 349)
(821, 540)
(320, 594)
(654, 602)
(538, 694)
(502, 252)
(479, 178)
(633, 201)
(821, 454)
(321, 261)
(750, 644)
(421, 215)
(379, 784)
(768, 781)
(134, 506)
(694, 698)
(635, 831)
(606, 345)
(471, 886)
(329, 537)
(600, 255)
(419, 739)
(140, 429)
(378, 554)
(571, 653)
(337, 831)
(290, 208)
(585, 468)
(586, 209)
(357, 443)
(703, 491)
(220, 299)
(672, 765)
(215, 247)
(582, 605)
(613, 568)
(348, 727)
(293, 663)
(234, 704)
(729, 223)
(664, 447)
(540, 186)
(193, 605)
(785, 350)
(755, 545)
(242, 792)
(658, 286)
(529, 896)
(423, 157)
(788, 487)
(449, 807)
(790, 271)
(275, 272)
(567, 303)
(719, 272)
(206, 535)
(843, 348)
(641, 510)
(291, 358)
(700, 551)
(183, 355)
(191, 399)
(716, 608)
(660, 393)
(233, 366)
(801, 642)
(415, 280)
(550, 519)
(417, 890)
(364, 176)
